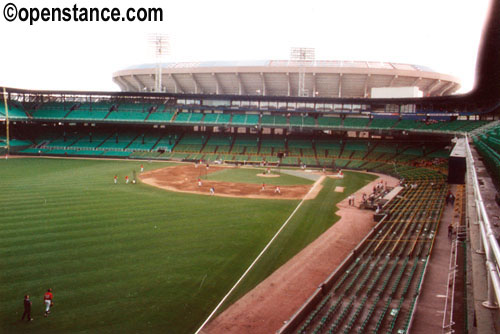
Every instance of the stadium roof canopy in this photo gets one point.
(323, 78)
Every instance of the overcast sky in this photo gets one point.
(441, 34)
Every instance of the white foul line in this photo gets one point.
(257, 258)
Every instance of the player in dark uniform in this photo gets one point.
(27, 308)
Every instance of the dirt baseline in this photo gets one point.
(184, 178)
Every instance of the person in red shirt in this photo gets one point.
(47, 298)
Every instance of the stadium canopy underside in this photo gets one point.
(281, 78)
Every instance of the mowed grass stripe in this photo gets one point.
(61, 229)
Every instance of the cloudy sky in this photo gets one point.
(441, 34)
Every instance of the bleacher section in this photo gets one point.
(329, 121)
(399, 159)
(170, 114)
(217, 119)
(127, 116)
(178, 141)
(118, 141)
(15, 113)
(87, 115)
(488, 145)
(191, 142)
(302, 121)
(245, 119)
(375, 290)
(273, 120)
(50, 111)
(188, 117)
(382, 123)
(351, 122)
(161, 116)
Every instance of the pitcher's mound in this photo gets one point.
(339, 189)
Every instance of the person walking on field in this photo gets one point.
(27, 308)
(142, 168)
(116, 179)
(47, 299)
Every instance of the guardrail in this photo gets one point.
(487, 238)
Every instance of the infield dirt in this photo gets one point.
(184, 178)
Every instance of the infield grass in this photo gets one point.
(133, 258)
(249, 175)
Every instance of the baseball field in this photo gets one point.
(134, 258)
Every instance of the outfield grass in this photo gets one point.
(132, 258)
(249, 175)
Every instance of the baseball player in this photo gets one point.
(116, 179)
(47, 299)
(27, 308)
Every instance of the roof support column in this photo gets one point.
(453, 87)
(196, 85)
(176, 83)
(432, 86)
(366, 85)
(218, 87)
(124, 83)
(289, 83)
(393, 79)
(263, 80)
(446, 88)
(139, 82)
(417, 80)
(240, 85)
(314, 92)
(340, 85)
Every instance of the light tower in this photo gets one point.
(302, 56)
(161, 47)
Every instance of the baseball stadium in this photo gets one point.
(256, 197)
(281, 78)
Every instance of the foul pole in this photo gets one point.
(6, 120)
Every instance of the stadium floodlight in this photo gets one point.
(302, 56)
(161, 48)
